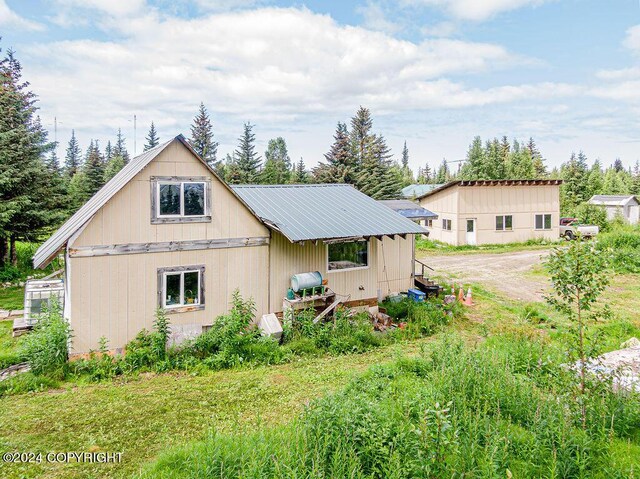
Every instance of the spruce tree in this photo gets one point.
(113, 166)
(108, 151)
(340, 166)
(93, 171)
(635, 182)
(29, 200)
(405, 156)
(595, 180)
(405, 172)
(277, 165)
(120, 148)
(152, 138)
(246, 159)
(72, 159)
(443, 175)
(300, 174)
(475, 167)
(202, 137)
(425, 175)
(538, 161)
(520, 166)
(574, 188)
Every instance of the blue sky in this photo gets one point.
(433, 72)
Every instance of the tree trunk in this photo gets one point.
(13, 255)
(3, 251)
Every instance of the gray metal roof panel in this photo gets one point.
(323, 211)
(409, 209)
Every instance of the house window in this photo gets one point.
(446, 224)
(181, 288)
(349, 255)
(179, 200)
(543, 222)
(428, 223)
(504, 223)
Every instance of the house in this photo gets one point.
(410, 209)
(167, 232)
(494, 211)
(626, 207)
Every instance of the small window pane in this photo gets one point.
(348, 255)
(194, 199)
(172, 292)
(169, 199)
(547, 222)
(499, 222)
(508, 222)
(470, 226)
(538, 222)
(191, 289)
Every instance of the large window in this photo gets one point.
(504, 223)
(446, 224)
(181, 288)
(177, 200)
(543, 222)
(353, 254)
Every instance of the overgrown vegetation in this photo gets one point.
(233, 341)
(425, 244)
(624, 243)
(498, 410)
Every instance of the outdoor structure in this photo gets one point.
(417, 190)
(494, 211)
(626, 207)
(167, 232)
(411, 210)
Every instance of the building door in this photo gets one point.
(471, 231)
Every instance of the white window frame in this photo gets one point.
(181, 184)
(158, 181)
(164, 273)
(447, 222)
(504, 222)
(356, 268)
(535, 221)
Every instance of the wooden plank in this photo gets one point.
(166, 246)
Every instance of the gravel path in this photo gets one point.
(501, 272)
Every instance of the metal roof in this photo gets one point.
(414, 191)
(409, 209)
(324, 211)
(612, 200)
(47, 251)
(543, 182)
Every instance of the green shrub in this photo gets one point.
(592, 215)
(46, 347)
(624, 245)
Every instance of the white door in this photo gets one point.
(471, 231)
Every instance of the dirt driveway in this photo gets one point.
(501, 272)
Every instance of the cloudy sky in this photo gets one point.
(434, 72)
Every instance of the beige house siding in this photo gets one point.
(288, 259)
(484, 203)
(445, 205)
(116, 296)
(395, 264)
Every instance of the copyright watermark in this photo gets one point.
(61, 457)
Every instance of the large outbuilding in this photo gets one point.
(625, 207)
(494, 211)
(166, 232)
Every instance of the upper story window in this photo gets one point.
(349, 255)
(180, 200)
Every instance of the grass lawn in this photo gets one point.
(8, 345)
(12, 298)
(141, 417)
(432, 246)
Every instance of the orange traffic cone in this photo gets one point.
(461, 295)
(468, 300)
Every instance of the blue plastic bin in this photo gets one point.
(416, 295)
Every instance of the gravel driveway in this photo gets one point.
(500, 272)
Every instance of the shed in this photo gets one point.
(623, 206)
(166, 232)
(410, 209)
(476, 212)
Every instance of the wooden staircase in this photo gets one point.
(424, 284)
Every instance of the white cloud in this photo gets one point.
(632, 40)
(442, 29)
(375, 18)
(476, 10)
(115, 8)
(9, 18)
